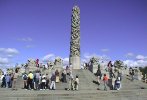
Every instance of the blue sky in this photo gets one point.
(114, 29)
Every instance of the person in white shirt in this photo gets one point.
(1, 79)
(43, 83)
(118, 83)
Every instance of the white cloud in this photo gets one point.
(104, 58)
(28, 39)
(10, 56)
(104, 50)
(49, 57)
(129, 63)
(140, 57)
(145, 58)
(88, 56)
(83, 60)
(137, 63)
(29, 46)
(130, 54)
(6, 57)
(11, 51)
(8, 52)
(4, 60)
(66, 61)
(142, 62)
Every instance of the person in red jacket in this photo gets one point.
(105, 79)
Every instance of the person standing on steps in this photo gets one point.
(76, 83)
(113, 83)
(117, 83)
(37, 76)
(8, 78)
(30, 81)
(47, 81)
(132, 75)
(43, 83)
(15, 79)
(53, 79)
(3, 78)
(64, 76)
(57, 76)
(99, 74)
(25, 77)
(105, 79)
(70, 81)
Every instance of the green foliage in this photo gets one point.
(143, 70)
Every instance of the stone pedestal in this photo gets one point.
(75, 62)
(58, 67)
(93, 68)
(138, 76)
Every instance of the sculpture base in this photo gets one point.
(75, 62)
(93, 68)
(58, 67)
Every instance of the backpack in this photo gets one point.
(25, 77)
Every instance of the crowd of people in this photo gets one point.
(9, 80)
(38, 81)
(113, 81)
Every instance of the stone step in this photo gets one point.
(102, 95)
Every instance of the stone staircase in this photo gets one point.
(127, 84)
(85, 80)
(87, 90)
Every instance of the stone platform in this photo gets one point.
(87, 91)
